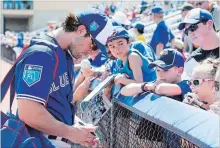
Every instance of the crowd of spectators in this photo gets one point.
(159, 65)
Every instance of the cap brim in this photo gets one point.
(160, 64)
(189, 21)
(117, 37)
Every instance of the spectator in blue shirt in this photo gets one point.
(162, 37)
(169, 67)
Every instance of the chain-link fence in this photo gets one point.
(122, 127)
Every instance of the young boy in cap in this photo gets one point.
(133, 62)
(169, 68)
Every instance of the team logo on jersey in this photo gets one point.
(32, 74)
(93, 26)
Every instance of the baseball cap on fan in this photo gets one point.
(97, 24)
(194, 16)
(118, 32)
(168, 58)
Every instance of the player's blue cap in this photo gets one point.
(139, 25)
(118, 32)
(194, 16)
(157, 9)
(97, 24)
(168, 58)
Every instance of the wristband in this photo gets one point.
(142, 87)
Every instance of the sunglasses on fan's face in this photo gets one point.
(192, 28)
(198, 82)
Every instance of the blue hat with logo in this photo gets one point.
(194, 16)
(168, 58)
(157, 9)
(97, 24)
(139, 25)
(118, 32)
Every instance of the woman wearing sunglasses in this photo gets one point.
(203, 85)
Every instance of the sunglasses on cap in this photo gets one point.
(198, 82)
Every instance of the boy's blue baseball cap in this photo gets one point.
(97, 24)
(194, 16)
(157, 9)
(139, 25)
(168, 58)
(118, 32)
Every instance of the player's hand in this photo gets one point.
(120, 78)
(215, 108)
(83, 136)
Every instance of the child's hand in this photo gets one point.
(86, 83)
(89, 72)
(215, 108)
(120, 78)
(192, 99)
(105, 74)
(152, 86)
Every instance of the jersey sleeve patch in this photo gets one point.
(32, 74)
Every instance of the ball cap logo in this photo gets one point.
(93, 26)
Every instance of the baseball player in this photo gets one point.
(44, 81)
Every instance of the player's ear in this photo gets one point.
(180, 70)
(81, 30)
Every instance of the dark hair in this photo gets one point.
(71, 23)
(141, 31)
(187, 7)
(206, 20)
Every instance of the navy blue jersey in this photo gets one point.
(163, 35)
(34, 81)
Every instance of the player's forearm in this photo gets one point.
(36, 116)
(131, 89)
